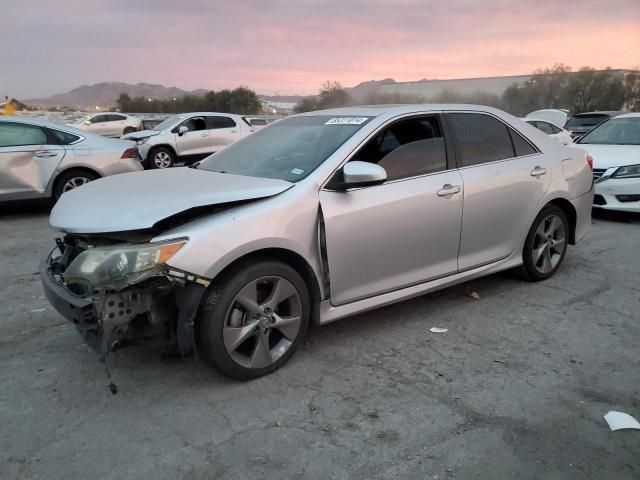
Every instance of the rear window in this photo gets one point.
(586, 120)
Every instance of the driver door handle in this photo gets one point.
(538, 171)
(45, 154)
(449, 189)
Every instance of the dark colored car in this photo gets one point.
(582, 123)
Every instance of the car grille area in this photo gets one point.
(599, 200)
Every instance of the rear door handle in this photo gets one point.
(536, 172)
(448, 189)
(45, 154)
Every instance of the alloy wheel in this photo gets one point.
(74, 182)
(262, 322)
(162, 160)
(549, 244)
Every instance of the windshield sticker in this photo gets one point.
(297, 171)
(346, 121)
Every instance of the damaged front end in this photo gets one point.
(117, 293)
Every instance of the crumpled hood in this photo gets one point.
(605, 156)
(138, 200)
(140, 134)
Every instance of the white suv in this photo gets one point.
(108, 124)
(189, 137)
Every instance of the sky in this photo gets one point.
(293, 46)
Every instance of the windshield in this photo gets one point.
(287, 150)
(617, 131)
(167, 123)
(586, 120)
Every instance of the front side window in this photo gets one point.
(480, 138)
(18, 134)
(288, 150)
(116, 118)
(99, 119)
(194, 124)
(407, 148)
(220, 122)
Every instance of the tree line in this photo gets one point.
(240, 100)
(585, 90)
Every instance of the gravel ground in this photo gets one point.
(516, 388)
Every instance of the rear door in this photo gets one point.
(223, 130)
(505, 179)
(99, 124)
(404, 232)
(196, 141)
(115, 125)
(28, 157)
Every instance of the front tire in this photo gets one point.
(546, 244)
(161, 157)
(254, 319)
(128, 130)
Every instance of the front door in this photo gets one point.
(505, 179)
(196, 141)
(404, 232)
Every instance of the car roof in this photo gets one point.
(377, 110)
(42, 122)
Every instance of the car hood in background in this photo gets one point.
(557, 117)
(139, 200)
(606, 156)
(141, 134)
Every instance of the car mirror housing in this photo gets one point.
(363, 174)
(182, 130)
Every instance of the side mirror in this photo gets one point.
(87, 122)
(362, 174)
(182, 130)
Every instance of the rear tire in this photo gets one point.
(161, 157)
(545, 245)
(72, 179)
(253, 319)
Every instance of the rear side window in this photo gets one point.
(520, 145)
(408, 148)
(99, 119)
(64, 138)
(479, 138)
(220, 122)
(115, 118)
(18, 134)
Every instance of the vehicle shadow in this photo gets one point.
(613, 216)
(26, 207)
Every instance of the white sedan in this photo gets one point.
(109, 124)
(554, 131)
(615, 148)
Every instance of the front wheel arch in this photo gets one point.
(153, 148)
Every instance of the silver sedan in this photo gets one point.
(43, 159)
(311, 219)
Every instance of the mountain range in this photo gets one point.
(105, 94)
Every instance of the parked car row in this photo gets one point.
(108, 124)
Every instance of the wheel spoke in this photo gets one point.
(537, 253)
(234, 337)
(248, 298)
(282, 290)
(558, 245)
(261, 356)
(288, 326)
(554, 225)
(546, 261)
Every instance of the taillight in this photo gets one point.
(590, 161)
(130, 153)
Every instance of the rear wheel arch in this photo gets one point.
(58, 178)
(569, 210)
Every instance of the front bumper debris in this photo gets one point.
(161, 310)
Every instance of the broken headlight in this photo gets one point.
(104, 265)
